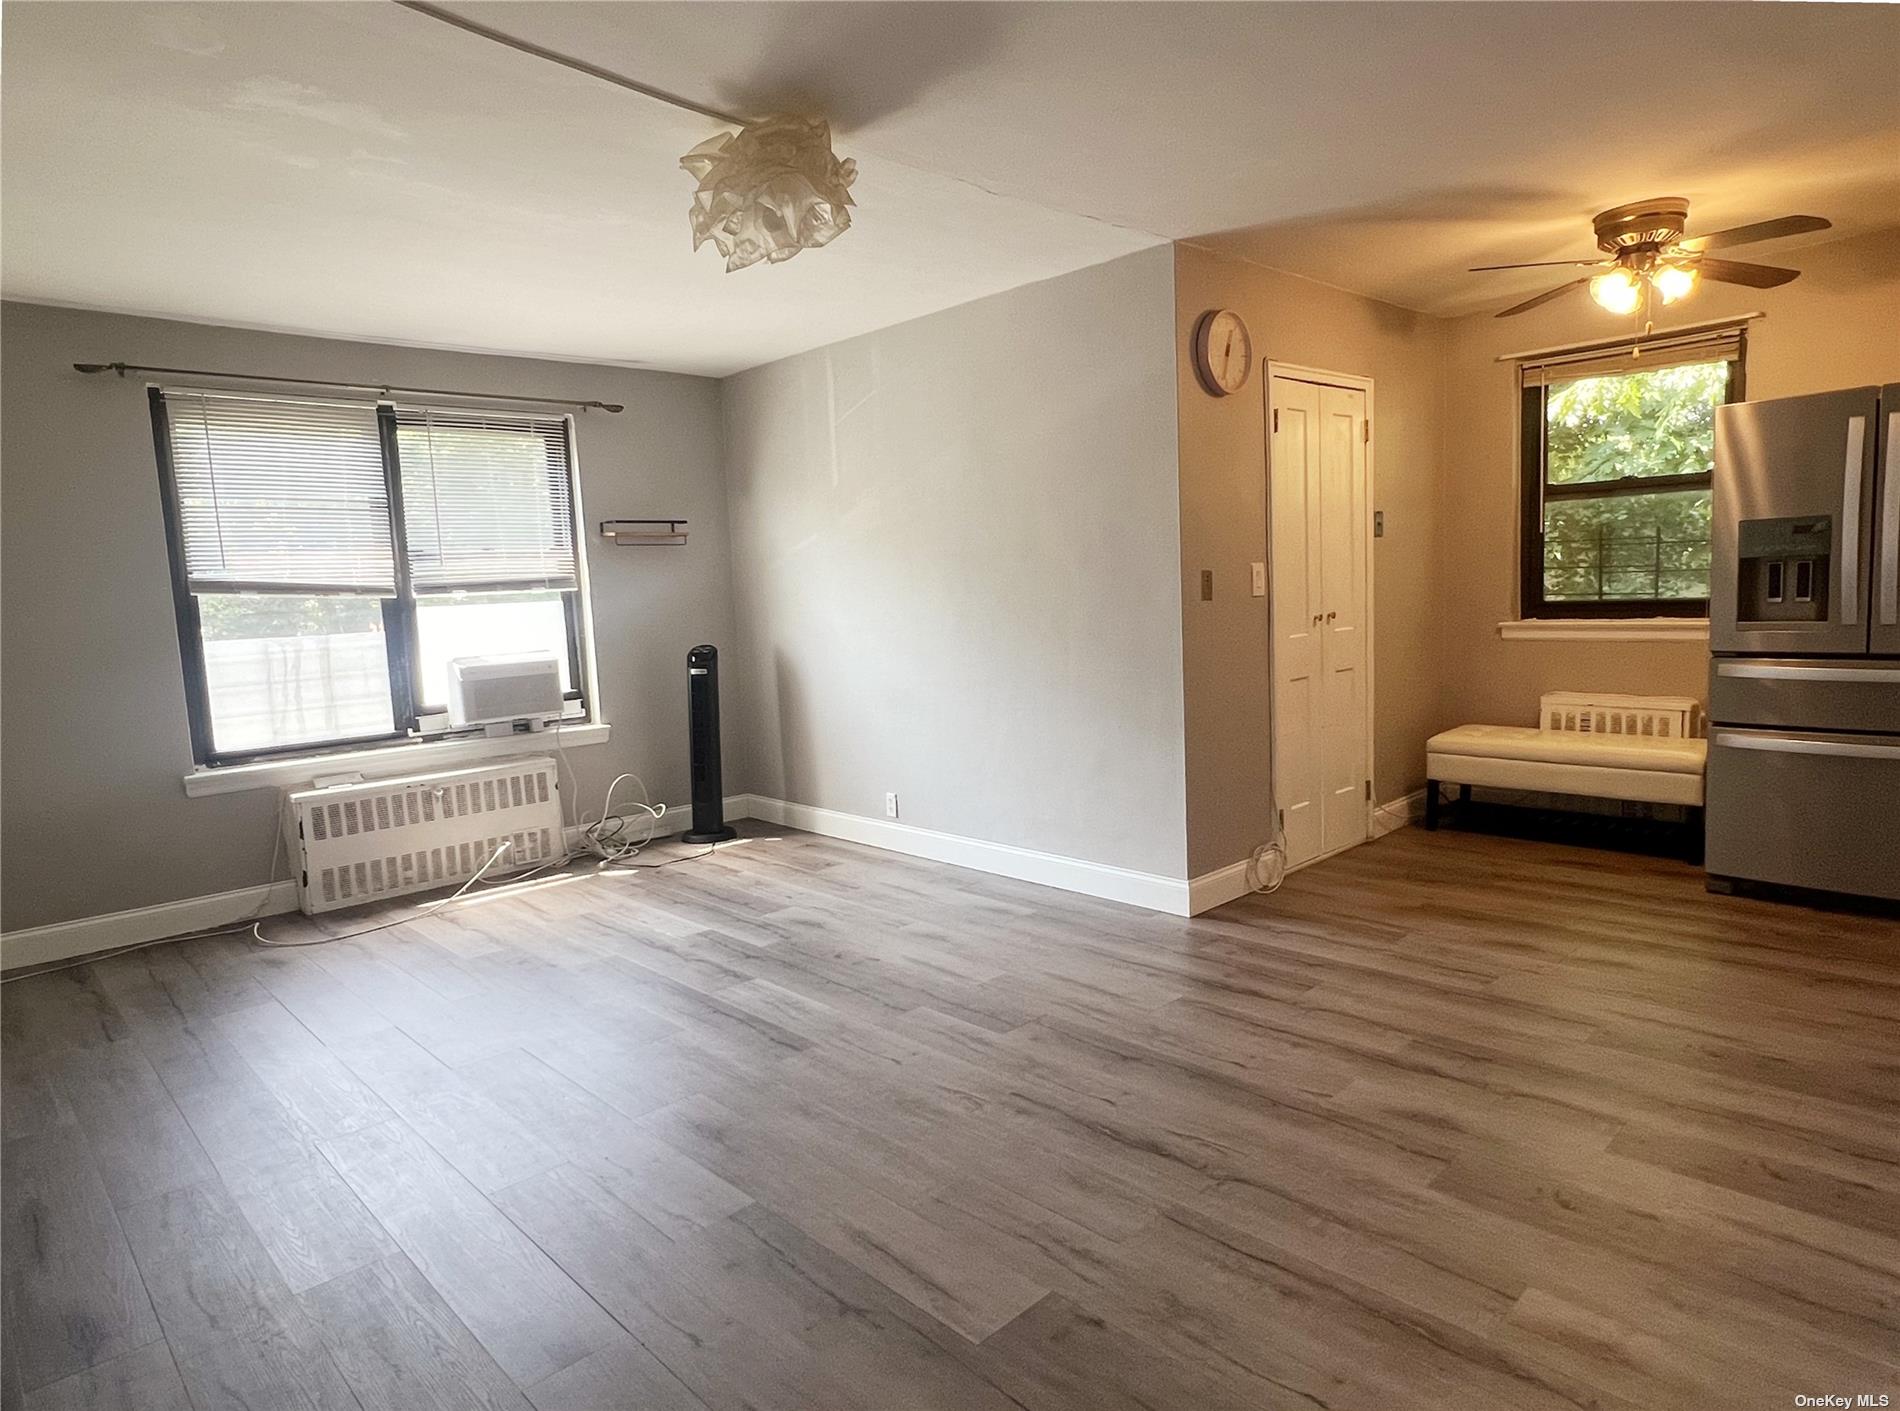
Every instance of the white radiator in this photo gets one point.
(361, 842)
(1602, 713)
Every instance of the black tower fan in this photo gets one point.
(702, 699)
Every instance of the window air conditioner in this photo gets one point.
(503, 689)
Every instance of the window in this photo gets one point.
(1618, 456)
(330, 559)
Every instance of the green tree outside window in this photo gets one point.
(1616, 428)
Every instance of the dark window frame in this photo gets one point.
(1534, 490)
(399, 618)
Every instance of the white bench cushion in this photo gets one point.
(1569, 762)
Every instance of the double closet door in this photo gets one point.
(1317, 498)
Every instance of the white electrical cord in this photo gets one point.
(257, 930)
(1266, 869)
(606, 837)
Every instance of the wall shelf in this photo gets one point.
(644, 531)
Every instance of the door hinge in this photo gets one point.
(1276, 421)
(1368, 426)
(1368, 791)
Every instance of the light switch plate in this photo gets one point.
(1207, 585)
(1378, 524)
(1260, 580)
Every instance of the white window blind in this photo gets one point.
(1641, 355)
(486, 500)
(278, 495)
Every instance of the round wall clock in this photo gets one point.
(1223, 353)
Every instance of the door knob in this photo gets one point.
(1317, 619)
(1331, 615)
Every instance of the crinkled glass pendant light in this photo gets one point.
(770, 190)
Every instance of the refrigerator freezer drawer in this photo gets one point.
(1848, 694)
(1805, 809)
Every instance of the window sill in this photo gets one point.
(1606, 629)
(392, 761)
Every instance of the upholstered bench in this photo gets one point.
(1639, 748)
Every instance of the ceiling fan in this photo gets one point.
(1647, 253)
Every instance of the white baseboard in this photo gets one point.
(1071, 874)
(1225, 884)
(92, 935)
(89, 935)
(1175, 896)
(1217, 888)
(1390, 817)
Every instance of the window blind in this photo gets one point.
(486, 500)
(1639, 355)
(275, 495)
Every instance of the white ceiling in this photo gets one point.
(362, 170)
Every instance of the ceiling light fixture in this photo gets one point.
(1674, 281)
(766, 192)
(1649, 254)
(1618, 291)
(769, 191)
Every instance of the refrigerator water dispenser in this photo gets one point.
(1782, 569)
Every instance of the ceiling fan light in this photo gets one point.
(1617, 290)
(1674, 282)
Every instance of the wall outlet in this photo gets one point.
(890, 805)
(1260, 580)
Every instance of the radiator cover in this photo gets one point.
(1602, 713)
(358, 843)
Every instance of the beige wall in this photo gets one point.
(1224, 528)
(955, 548)
(95, 744)
(1445, 473)
(1836, 326)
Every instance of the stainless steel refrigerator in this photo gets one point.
(1804, 627)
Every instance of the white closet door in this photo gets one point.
(1342, 572)
(1318, 501)
(1297, 616)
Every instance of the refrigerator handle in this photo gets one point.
(1799, 744)
(1808, 671)
(1890, 525)
(1850, 521)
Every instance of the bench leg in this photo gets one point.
(1431, 804)
(1464, 794)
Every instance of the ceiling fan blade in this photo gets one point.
(1760, 230)
(1534, 264)
(1543, 298)
(1740, 272)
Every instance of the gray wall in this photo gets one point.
(91, 692)
(956, 554)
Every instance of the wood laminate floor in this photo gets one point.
(1449, 1122)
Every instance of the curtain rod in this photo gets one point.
(123, 368)
(1640, 340)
